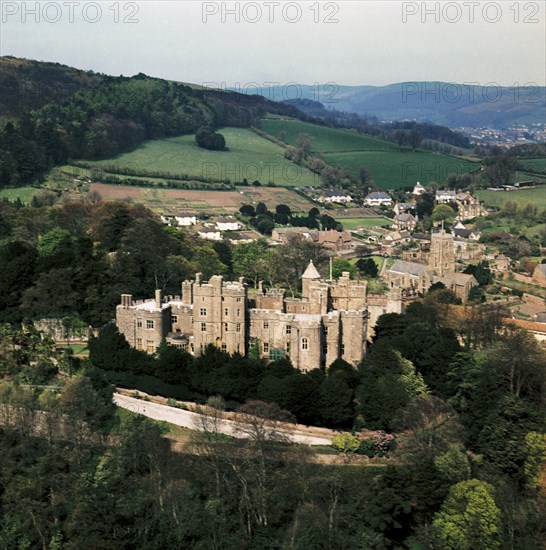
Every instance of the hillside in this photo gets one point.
(97, 116)
(453, 105)
(390, 167)
(249, 156)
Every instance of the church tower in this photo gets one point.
(442, 252)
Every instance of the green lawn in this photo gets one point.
(250, 156)
(24, 193)
(536, 196)
(355, 223)
(324, 138)
(394, 169)
(77, 349)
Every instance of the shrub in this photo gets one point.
(346, 443)
(367, 447)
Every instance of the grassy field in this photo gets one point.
(24, 193)
(535, 164)
(393, 169)
(355, 223)
(324, 139)
(211, 202)
(250, 156)
(536, 196)
(390, 168)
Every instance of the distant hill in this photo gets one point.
(452, 105)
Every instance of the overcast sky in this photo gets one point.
(364, 42)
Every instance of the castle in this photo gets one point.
(332, 319)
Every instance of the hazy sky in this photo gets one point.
(365, 42)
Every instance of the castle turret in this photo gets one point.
(310, 274)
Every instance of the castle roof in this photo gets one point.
(311, 272)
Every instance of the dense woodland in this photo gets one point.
(462, 395)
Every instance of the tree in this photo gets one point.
(443, 212)
(415, 139)
(367, 267)
(453, 464)
(468, 519)
(207, 139)
(247, 210)
(364, 176)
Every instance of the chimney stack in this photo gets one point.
(158, 298)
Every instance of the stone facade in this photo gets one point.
(329, 321)
(416, 278)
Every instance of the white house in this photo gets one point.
(227, 224)
(418, 189)
(335, 195)
(378, 198)
(182, 219)
(210, 234)
(445, 196)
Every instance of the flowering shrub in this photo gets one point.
(384, 442)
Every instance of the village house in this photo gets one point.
(468, 207)
(280, 235)
(210, 234)
(402, 207)
(405, 222)
(445, 196)
(336, 241)
(378, 198)
(337, 196)
(181, 219)
(227, 224)
(330, 321)
(418, 190)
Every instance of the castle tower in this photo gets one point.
(442, 252)
(310, 274)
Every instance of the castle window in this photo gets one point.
(225, 327)
(150, 348)
(149, 323)
(325, 329)
(238, 299)
(226, 312)
(174, 318)
(324, 350)
(192, 348)
(238, 313)
(203, 312)
(266, 347)
(139, 323)
(304, 343)
(184, 347)
(288, 347)
(224, 347)
(266, 324)
(342, 349)
(238, 327)
(203, 327)
(288, 329)
(139, 343)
